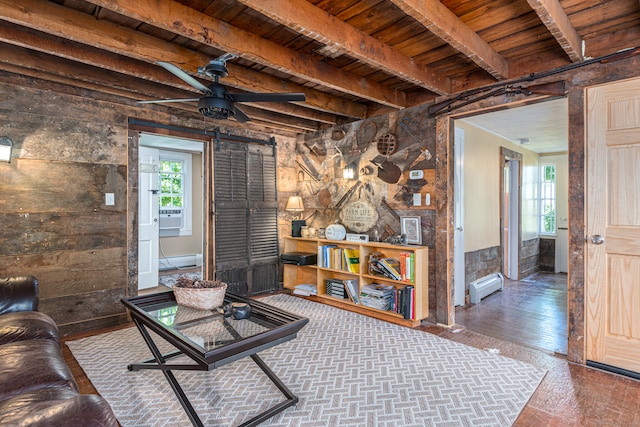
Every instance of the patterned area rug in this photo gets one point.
(170, 279)
(347, 370)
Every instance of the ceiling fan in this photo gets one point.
(217, 102)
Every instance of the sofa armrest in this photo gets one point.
(19, 293)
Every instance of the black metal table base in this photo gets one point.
(159, 362)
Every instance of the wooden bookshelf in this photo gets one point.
(314, 274)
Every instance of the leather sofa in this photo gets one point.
(36, 386)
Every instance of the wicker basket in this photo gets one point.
(201, 294)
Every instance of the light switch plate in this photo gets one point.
(427, 199)
(109, 199)
(417, 199)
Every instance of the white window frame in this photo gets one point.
(541, 215)
(187, 182)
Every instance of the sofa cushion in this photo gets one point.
(31, 365)
(19, 293)
(27, 325)
(56, 406)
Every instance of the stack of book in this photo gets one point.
(378, 296)
(305, 289)
(335, 288)
(387, 267)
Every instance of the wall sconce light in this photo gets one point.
(6, 145)
(294, 204)
(350, 171)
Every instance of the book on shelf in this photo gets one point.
(324, 255)
(385, 266)
(377, 295)
(352, 260)
(351, 286)
(305, 289)
(392, 267)
(407, 267)
(406, 302)
(335, 288)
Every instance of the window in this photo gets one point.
(548, 199)
(171, 184)
(175, 186)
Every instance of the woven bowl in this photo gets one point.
(203, 298)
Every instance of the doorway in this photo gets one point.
(170, 210)
(501, 156)
(510, 213)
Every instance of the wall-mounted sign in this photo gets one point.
(359, 216)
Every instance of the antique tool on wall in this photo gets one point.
(346, 195)
(551, 89)
(425, 154)
(307, 161)
(387, 170)
(404, 123)
(324, 198)
(315, 177)
(387, 144)
(385, 205)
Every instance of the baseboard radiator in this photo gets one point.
(487, 285)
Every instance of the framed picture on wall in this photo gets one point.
(410, 226)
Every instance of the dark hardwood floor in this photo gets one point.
(569, 395)
(530, 312)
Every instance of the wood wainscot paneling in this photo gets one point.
(529, 257)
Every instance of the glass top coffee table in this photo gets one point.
(211, 339)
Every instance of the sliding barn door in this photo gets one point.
(612, 277)
(246, 227)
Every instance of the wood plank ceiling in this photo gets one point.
(352, 58)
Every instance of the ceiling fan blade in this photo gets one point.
(160, 101)
(267, 97)
(240, 116)
(184, 76)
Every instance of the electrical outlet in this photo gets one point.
(109, 199)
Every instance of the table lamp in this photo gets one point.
(294, 204)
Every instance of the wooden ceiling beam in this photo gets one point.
(557, 22)
(68, 24)
(187, 22)
(40, 65)
(39, 42)
(308, 19)
(439, 20)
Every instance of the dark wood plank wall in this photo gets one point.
(72, 148)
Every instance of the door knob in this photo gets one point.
(597, 239)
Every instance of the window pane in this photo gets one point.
(548, 198)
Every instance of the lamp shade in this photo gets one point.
(6, 145)
(294, 204)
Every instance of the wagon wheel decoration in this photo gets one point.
(387, 144)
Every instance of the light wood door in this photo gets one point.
(613, 225)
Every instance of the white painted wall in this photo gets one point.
(482, 188)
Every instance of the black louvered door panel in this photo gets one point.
(246, 227)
